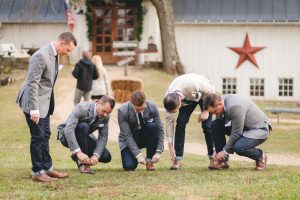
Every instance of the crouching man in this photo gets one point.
(245, 124)
(140, 127)
(76, 134)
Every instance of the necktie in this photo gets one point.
(142, 122)
(52, 103)
(94, 122)
(56, 68)
(56, 64)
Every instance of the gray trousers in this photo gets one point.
(79, 93)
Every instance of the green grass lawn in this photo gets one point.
(194, 181)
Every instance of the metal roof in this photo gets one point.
(236, 11)
(30, 11)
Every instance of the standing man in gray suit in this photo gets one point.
(76, 134)
(245, 124)
(36, 99)
(140, 127)
(183, 95)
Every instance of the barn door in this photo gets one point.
(112, 24)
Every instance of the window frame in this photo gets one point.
(229, 85)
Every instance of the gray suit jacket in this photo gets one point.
(36, 90)
(129, 126)
(245, 116)
(85, 112)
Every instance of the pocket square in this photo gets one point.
(150, 120)
(228, 124)
(60, 67)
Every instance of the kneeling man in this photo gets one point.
(140, 127)
(76, 134)
(245, 124)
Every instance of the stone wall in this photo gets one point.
(7, 64)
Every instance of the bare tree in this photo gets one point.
(165, 12)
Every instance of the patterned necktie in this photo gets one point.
(142, 122)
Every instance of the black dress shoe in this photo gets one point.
(80, 165)
(74, 157)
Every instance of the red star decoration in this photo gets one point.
(246, 52)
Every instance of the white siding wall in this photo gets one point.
(204, 49)
(151, 28)
(80, 32)
(31, 35)
(38, 34)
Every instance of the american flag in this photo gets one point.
(69, 15)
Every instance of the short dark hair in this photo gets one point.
(210, 100)
(171, 101)
(138, 98)
(68, 37)
(86, 55)
(108, 99)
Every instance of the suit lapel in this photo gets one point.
(91, 112)
(132, 115)
(146, 112)
(52, 63)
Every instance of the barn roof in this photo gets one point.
(236, 11)
(20, 11)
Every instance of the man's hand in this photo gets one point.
(35, 118)
(156, 157)
(83, 158)
(221, 156)
(141, 159)
(94, 160)
(203, 116)
(172, 152)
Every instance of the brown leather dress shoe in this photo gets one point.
(56, 174)
(261, 164)
(225, 165)
(86, 169)
(211, 163)
(215, 165)
(43, 178)
(218, 165)
(176, 165)
(150, 166)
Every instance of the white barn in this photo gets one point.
(204, 30)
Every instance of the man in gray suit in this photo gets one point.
(36, 99)
(76, 134)
(140, 127)
(245, 124)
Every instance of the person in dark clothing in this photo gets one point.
(85, 72)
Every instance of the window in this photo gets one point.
(229, 85)
(257, 87)
(285, 87)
